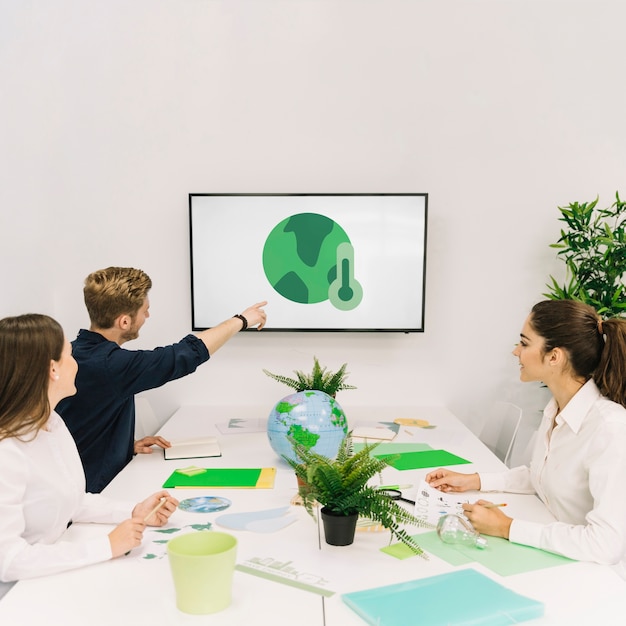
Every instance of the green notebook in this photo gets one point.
(227, 478)
(463, 597)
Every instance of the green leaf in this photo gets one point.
(320, 379)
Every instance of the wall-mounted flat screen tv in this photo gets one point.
(324, 262)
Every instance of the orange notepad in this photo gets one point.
(225, 478)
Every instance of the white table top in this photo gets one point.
(133, 589)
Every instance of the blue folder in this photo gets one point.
(460, 597)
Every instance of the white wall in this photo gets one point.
(113, 111)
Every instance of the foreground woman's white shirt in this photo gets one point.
(42, 489)
(579, 471)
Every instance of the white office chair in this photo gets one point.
(500, 429)
(4, 588)
(146, 423)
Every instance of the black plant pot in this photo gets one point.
(339, 529)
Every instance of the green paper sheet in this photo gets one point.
(462, 597)
(393, 448)
(251, 478)
(422, 459)
(500, 556)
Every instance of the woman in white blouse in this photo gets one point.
(42, 480)
(579, 461)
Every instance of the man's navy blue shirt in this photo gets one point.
(101, 416)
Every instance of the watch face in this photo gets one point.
(204, 504)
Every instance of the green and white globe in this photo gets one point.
(312, 418)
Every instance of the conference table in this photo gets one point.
(287, 574)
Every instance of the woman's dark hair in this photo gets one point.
(595, 347)
(27, 345)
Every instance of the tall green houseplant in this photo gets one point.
(593, 246)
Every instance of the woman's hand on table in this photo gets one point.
(488, 519)
(126, 536)
(450, 482)
(146, 510)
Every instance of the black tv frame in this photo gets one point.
(417, 329)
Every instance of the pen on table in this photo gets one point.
(162, 501)
(493, 506)
(394, 487)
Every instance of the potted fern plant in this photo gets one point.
(340, 486)
(320, 379)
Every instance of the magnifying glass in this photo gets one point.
(395, 494)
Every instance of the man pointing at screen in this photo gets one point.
(101, 416)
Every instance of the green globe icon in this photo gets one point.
(300, 259)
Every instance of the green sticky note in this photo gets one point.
(399, 551)
(191, 470)
(421, 459)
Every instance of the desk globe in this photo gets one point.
(312, 418)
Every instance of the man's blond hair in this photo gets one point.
(115, 291)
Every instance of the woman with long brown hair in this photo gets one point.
(579, 460)
(42, 479)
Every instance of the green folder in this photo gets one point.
(500, 556)
(463, 597)
(422, 459)
(227, 478)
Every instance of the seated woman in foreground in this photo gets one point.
(43, 483)
(579, 461)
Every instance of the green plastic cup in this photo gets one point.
(202, 565)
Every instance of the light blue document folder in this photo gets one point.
(460, 597)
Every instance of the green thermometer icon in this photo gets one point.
(345, 292)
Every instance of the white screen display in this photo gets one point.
(345, 262)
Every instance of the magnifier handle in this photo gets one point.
(396, 494)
